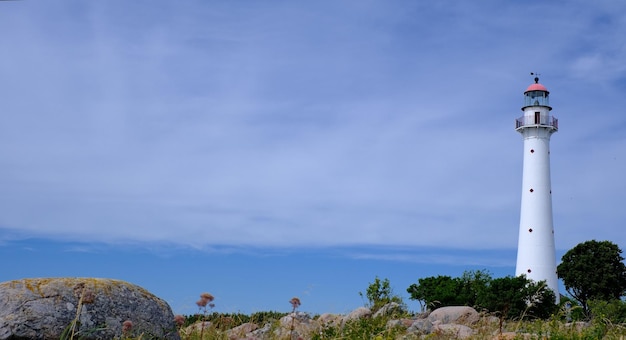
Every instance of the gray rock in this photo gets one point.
(388, 309)
(454, 314)
(421, 326)
(197, 329)
(262, 333)
(453, 330)
(359, 313)
(99, 309)
(242, 331)
(329, 320)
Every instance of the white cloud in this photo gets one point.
(286, 125)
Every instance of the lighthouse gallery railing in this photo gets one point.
(550, 121)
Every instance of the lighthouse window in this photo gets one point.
(531, 190)
(529, 270)
(532, 150)
(537, 117)
(530, 230)
(534, 98)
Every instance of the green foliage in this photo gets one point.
(571, 311)
(229, 320)
(374, 328)
(518, 297)
(593, 270)
(379, 293)
(473, 285)
(261, 318)
(554, 329)
(440, 291)
(613, 311)
(436, 291)
(510, 297)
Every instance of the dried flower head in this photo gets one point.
(78, 289)
(295, 302)
(127, 326)
(201, 303)
(88, 296)
(206, 296)
(179, 320)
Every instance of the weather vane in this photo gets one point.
(536, 76)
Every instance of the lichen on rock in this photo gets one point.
(42, 308)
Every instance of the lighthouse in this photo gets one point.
(536, 256)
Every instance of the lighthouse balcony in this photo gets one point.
(549, 122)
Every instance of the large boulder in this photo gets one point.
(94, 308)
(454, 314)
(359, 313)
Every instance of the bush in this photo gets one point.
(379, 293)
(608, 311)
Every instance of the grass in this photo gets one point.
(380, 329)
(274, 325)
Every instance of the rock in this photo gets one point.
(455, 314)
(262, 333)
(43, 308)
(453, 330)
(421, 326)
(241, 331)
(295, 325)
(514, 336)
(401, 323)
(388, 309)
(197, 328)
(359, 313)
(297, 317)
(329, 320)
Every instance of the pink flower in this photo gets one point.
(179, 320)
(295, 302)
(127, 326)
(201, 303)
(207, 297)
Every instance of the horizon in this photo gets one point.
(327, 140)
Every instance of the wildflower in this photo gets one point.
(79, 289)
(127, 326)
(88, 296)
(206, 296)
(179, 320)
(295, 302)
(205, 299)
(201, 303)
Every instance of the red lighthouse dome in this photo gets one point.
(536, 87)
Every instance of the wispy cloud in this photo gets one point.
(318, 124)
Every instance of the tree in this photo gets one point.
(436, 291)
(510, 297)
(473, 283)
(593, 270)
(379, 293)
(440, 291)
(518, 297)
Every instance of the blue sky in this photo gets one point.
(269, 149)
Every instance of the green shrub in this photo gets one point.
(608, 311)
(379, 293)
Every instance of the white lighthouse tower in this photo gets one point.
(536, 256)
